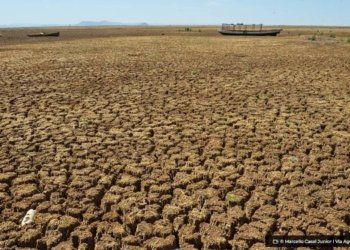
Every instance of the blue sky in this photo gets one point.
(295, 12)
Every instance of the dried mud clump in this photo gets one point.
(181, 142)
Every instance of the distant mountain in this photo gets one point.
(107, 23)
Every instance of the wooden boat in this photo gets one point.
(45, 34)
(247, 30)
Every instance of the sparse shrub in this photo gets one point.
(84, 123)
(248, 67)
(319, 33)
(199, 30)
(313, 38)
(194, 73)
(348, 41)
(231, 198)
(188, 29)
(332, 35)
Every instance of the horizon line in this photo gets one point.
(145, 24)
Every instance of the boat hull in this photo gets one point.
(45, 34)
(250, 32)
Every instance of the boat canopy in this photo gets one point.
(241, 26)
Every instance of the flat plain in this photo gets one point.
(160, 138)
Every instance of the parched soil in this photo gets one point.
(163, 142)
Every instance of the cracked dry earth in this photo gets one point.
(136, 142)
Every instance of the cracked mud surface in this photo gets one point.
(136, 142)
